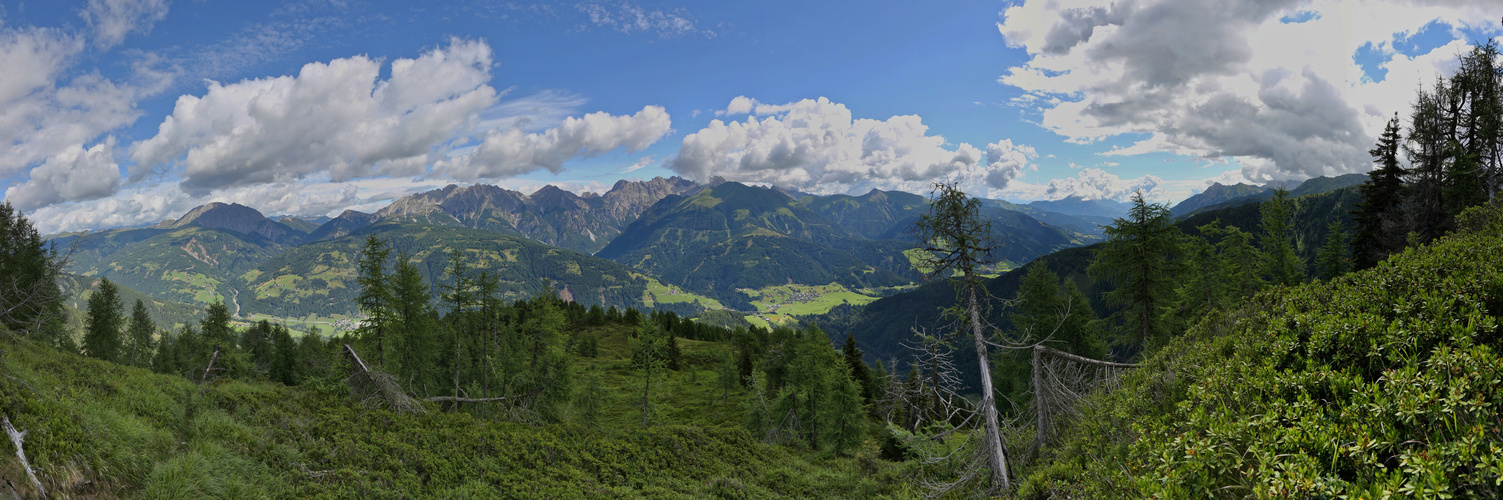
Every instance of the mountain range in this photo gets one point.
(714, 239)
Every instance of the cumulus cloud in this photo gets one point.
(42, 114)
(817, 146)
(75, 174)
(112, 20)
(1005, 162)
(1272, 82)
(1091, 184)
(513, 151)
(335, 117)
(627, 18)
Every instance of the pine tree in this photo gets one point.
(102, 332)
(139, 336)
(1281, 264)
(1333, 257)
(1141, 256)
(1381, 197)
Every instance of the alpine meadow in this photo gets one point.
(1019, 249)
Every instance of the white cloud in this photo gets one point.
(639, 165)
(817, 146)
(1227, 79)
(1090, 184)
(1005, 162)
(510, 152)
(627, 18)
(112, 20)
(335, 117)
(75, 174)
(40, 114)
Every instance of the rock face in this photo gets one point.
(550, 215)
(235, 217)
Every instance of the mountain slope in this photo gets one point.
(1382, 383)
(1075, 205)
(346, 224)
(238, 218)
(319, 278)
(191, 265)
(736, 236)
(1217, 194)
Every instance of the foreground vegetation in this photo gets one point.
(99, 428)
(1380, 383)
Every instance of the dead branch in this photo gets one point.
(378, 387)
(16, 437)
(210, 368)
(453, 399)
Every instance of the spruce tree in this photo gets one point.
(102, 330)
(1141, 256)
(30, 301)
(1332, 261)
(215, 329)
(1382, 195)
(139, 336)
(1281, 264)
(284, 363)
(859, 371)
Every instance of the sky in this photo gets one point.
(116, 113)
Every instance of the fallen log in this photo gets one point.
(452, 399)
(16, 437)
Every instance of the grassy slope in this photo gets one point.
(1381, 382)
(102, 429)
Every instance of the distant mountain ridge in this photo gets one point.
(1076, 205)
(1219, 196)
(234, 217)
(549, 215)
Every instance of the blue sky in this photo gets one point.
(308, 113)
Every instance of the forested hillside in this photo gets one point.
(319, 278)
(1375, 384)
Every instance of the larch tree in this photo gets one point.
(1141, 257)
(29, 297)
(375, 296)
(955, 238)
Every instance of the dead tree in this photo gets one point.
(1060, 379)
(16, 438)
(375, 387)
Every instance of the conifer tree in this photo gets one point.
(285, 363)
(648, 351)
(375, 297)
(1332, 261)
(1240, 261)
(412, 329)
(859, 371)
(102, 331)
(1381, 197)
(215, 328)
(954, 237)
(1281, 264)
(1141, 256)
(139, 336)
(29, 297)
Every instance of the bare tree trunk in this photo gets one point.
(211, 365)
(993, 443)
(16, 437)
(1039, 408)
